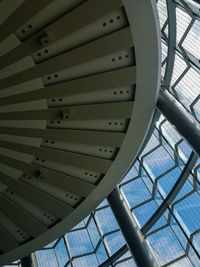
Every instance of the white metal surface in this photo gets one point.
(93, 112)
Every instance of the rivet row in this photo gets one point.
(120, 58)
(110, 21)
(30, 26)
(105, 150)
(115, 123)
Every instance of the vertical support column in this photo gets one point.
(26, 261)
(29, 261)
(187, 126)
(130, 230)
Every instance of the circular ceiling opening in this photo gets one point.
(78, 85)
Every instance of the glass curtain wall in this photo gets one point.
(163, 186)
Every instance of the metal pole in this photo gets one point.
(172, 194)
(171, 11)
(130, 230)
(187, 126)
(28, 261)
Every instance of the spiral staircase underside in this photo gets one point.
(74, 109)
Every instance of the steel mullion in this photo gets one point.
(172, 194)
(193, 8)
(173, 261)
(106, 247)
(168, 207)
(115, 256)
(171, 43)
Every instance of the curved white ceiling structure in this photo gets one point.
(78, 85)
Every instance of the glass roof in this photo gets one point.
(174, 237)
